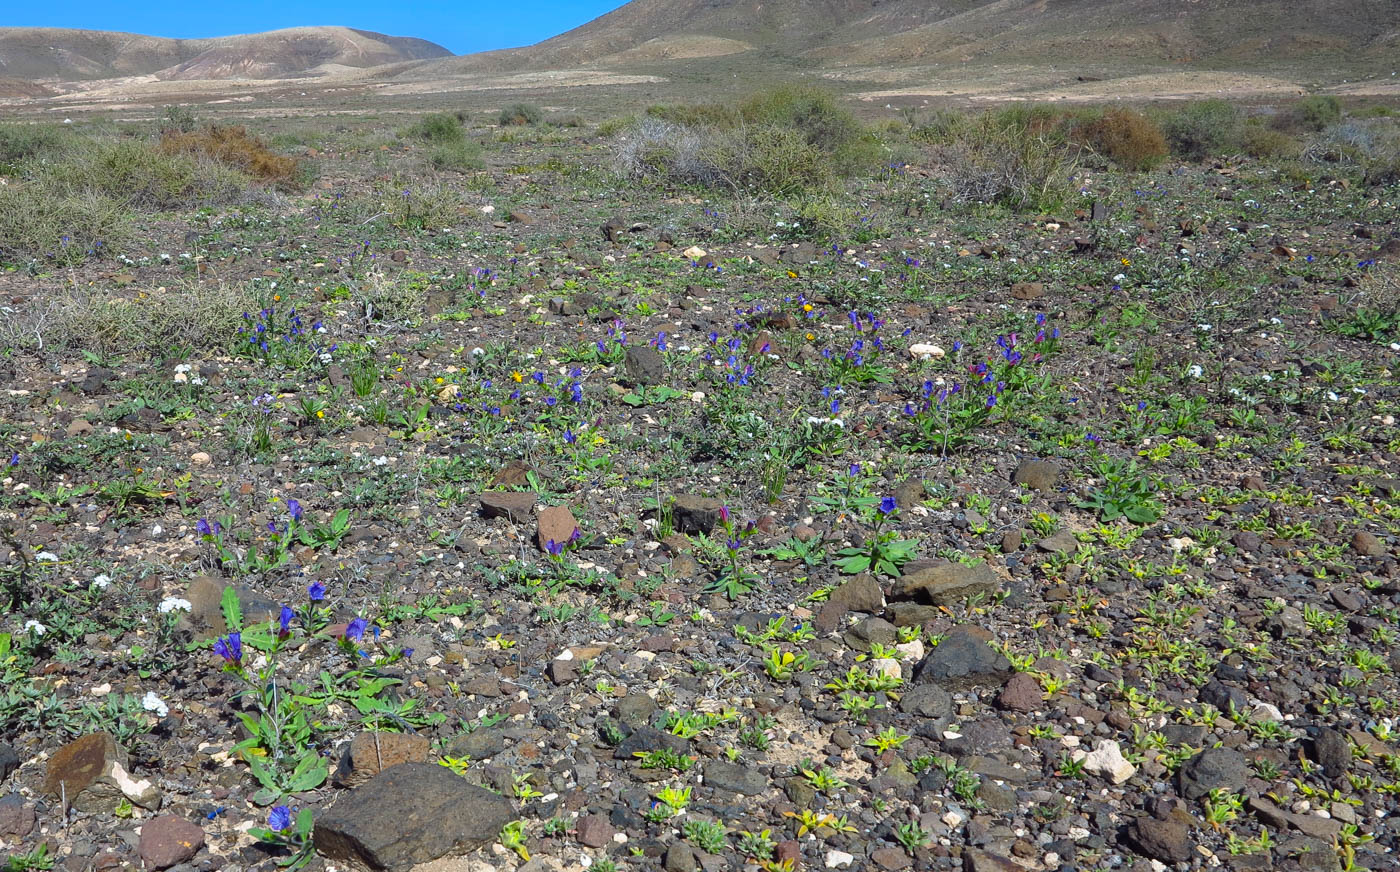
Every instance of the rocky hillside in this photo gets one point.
(30, 53)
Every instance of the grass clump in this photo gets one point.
(1129, 139)
(462, 156)
(520, 115)
(1313, 113)
(235, 147)
(20, 142)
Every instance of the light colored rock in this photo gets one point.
(1106, 760)
(925, 351)
(885, 666)
(913, 650)
(837, 859)
(695, 252)
(1263, 711)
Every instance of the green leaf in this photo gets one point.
(304, 821)
(232, 608)
(853, 565)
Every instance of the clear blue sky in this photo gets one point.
(462, 27)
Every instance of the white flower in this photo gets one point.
(174, 603)
(33, 626)
(46, 556)
(1195, 370)
(102, 581)
(1204, 328)
(152, 703)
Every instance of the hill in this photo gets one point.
(57, 54)
(1234, 34)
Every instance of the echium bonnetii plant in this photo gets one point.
(946, 414)
(274, 553)
(861, 361)
(735, 579)
(288, 834)
(884, 552)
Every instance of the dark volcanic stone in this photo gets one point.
(735, 778)
(928, 701)
(645, 366)
(1165, 840)
(1332, 751)
(9, 761)
(410, 814)
(963, 659)
(691, 514)
(1211, 769)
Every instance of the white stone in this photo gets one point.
(1106, 760)
(913, 650)
(925, 351)
(1263, 711)
(836, 859)
(886, 666)
(694, 252)
(951, 819)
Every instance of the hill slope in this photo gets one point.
(835, 33)
(71, 55)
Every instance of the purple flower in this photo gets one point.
(356, 629)
(202, 527)
(733, 544)
(724, 514)
(407, 653)
(14, 459)
(294, 509)
(316, 591)
(284, 621)
(279, 820)
(854, 470)
(887, 505)
(576, 535)
(554, 549)
(230, 648)
(569, 437)
(991, 400)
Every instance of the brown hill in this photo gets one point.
(837, 33)
(72, 55)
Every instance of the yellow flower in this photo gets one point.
(599, 440)
(807, 307)
(791, 274)
(516, 376)
(276, 298)
(438, 379)
(1125, 261)
(811, 337)
(321, 413)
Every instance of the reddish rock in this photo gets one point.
(1022, 693)
(557, 524)
(371, 753)
(594, 831)
(515, 506)
(167, 840)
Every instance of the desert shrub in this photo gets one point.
(1314, 113)
(235, 147)
(149, 324)
(1129, 139)
(775, 160)
(1202, 129)
(1370, 148)
(1268, 143)
(19, 142)
(461, 156)
(438, 127)
(1016, 159)
(942, 127)
(417, 206)
(134, 172)
(46, 222)
(570, 121)
(180, 118)
(520, 115)
(720, 116)
(655, 148)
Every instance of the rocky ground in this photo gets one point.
(564, 523)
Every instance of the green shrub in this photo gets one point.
(143, 176)
(1268, 143)
(1369, 148)
(460, 156)
(942, 128)
(520, 115)
(19, 142)
(772, 159)
(1129, 139)
(45, 222)
(1316, 112)
(438, 127)
(1202, 129)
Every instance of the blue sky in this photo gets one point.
(462, 27)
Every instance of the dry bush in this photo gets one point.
(1129, 139)
(193, 315)
(236, 147)
(1016, 158)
